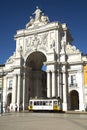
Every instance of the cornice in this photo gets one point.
(76, 63)
(41, 29)
(50, 62)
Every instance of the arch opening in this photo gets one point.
(74, 100)
(35, 76)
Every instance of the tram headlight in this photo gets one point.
(30, 107)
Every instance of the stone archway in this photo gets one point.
(74, 100)
(9, 97)
(35, 76)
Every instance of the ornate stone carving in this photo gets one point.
(36, 42)
(27, 42)
(44, 19)
(44, 39)
(71, 49)
(37, 13)
(52, 45)
(11, 59)
(43, 44)
(38, 19)
(31, 22)
(63, 44)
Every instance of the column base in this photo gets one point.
(12, 107)
(64, 106)
(23, 106)
(81, 107)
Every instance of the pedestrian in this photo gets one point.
(8, 108)
(16, 107)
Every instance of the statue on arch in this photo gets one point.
(37, 13)
(44, 18)
(31, 22)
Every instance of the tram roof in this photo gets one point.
(39, 99)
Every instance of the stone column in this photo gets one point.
(64, 91)
(81, 91)
(53, 84)
(48, 84)
(18, 91)
(27, 90)
(5, 93)
(58, 84)
(14, 91)
(24, 91)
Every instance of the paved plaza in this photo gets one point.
(43, 121)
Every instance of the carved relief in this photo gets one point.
(44, 39)
(36, 42)
(19, 45)
(71, 49)
(44, 19)
(11, 59)
(52, 45)
(27, 42)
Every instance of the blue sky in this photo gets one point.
(14, 14)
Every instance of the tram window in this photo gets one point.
(35, 103)
(47, 103)
(41, 103)
(55, 102)
(44, 103)
(50, 103)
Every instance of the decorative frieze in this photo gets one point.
(36, 42)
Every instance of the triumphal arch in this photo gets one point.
(45, 64)
(40, 44)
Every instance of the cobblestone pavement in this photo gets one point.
(43, 121)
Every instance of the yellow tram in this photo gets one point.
(45, 105)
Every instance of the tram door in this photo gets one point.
(74, 99)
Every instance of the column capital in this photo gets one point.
(53, 71)
(48, 71)
(14, 74)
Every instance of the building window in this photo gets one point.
(10, 84)
(73, 80)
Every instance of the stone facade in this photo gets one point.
(44, 43)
